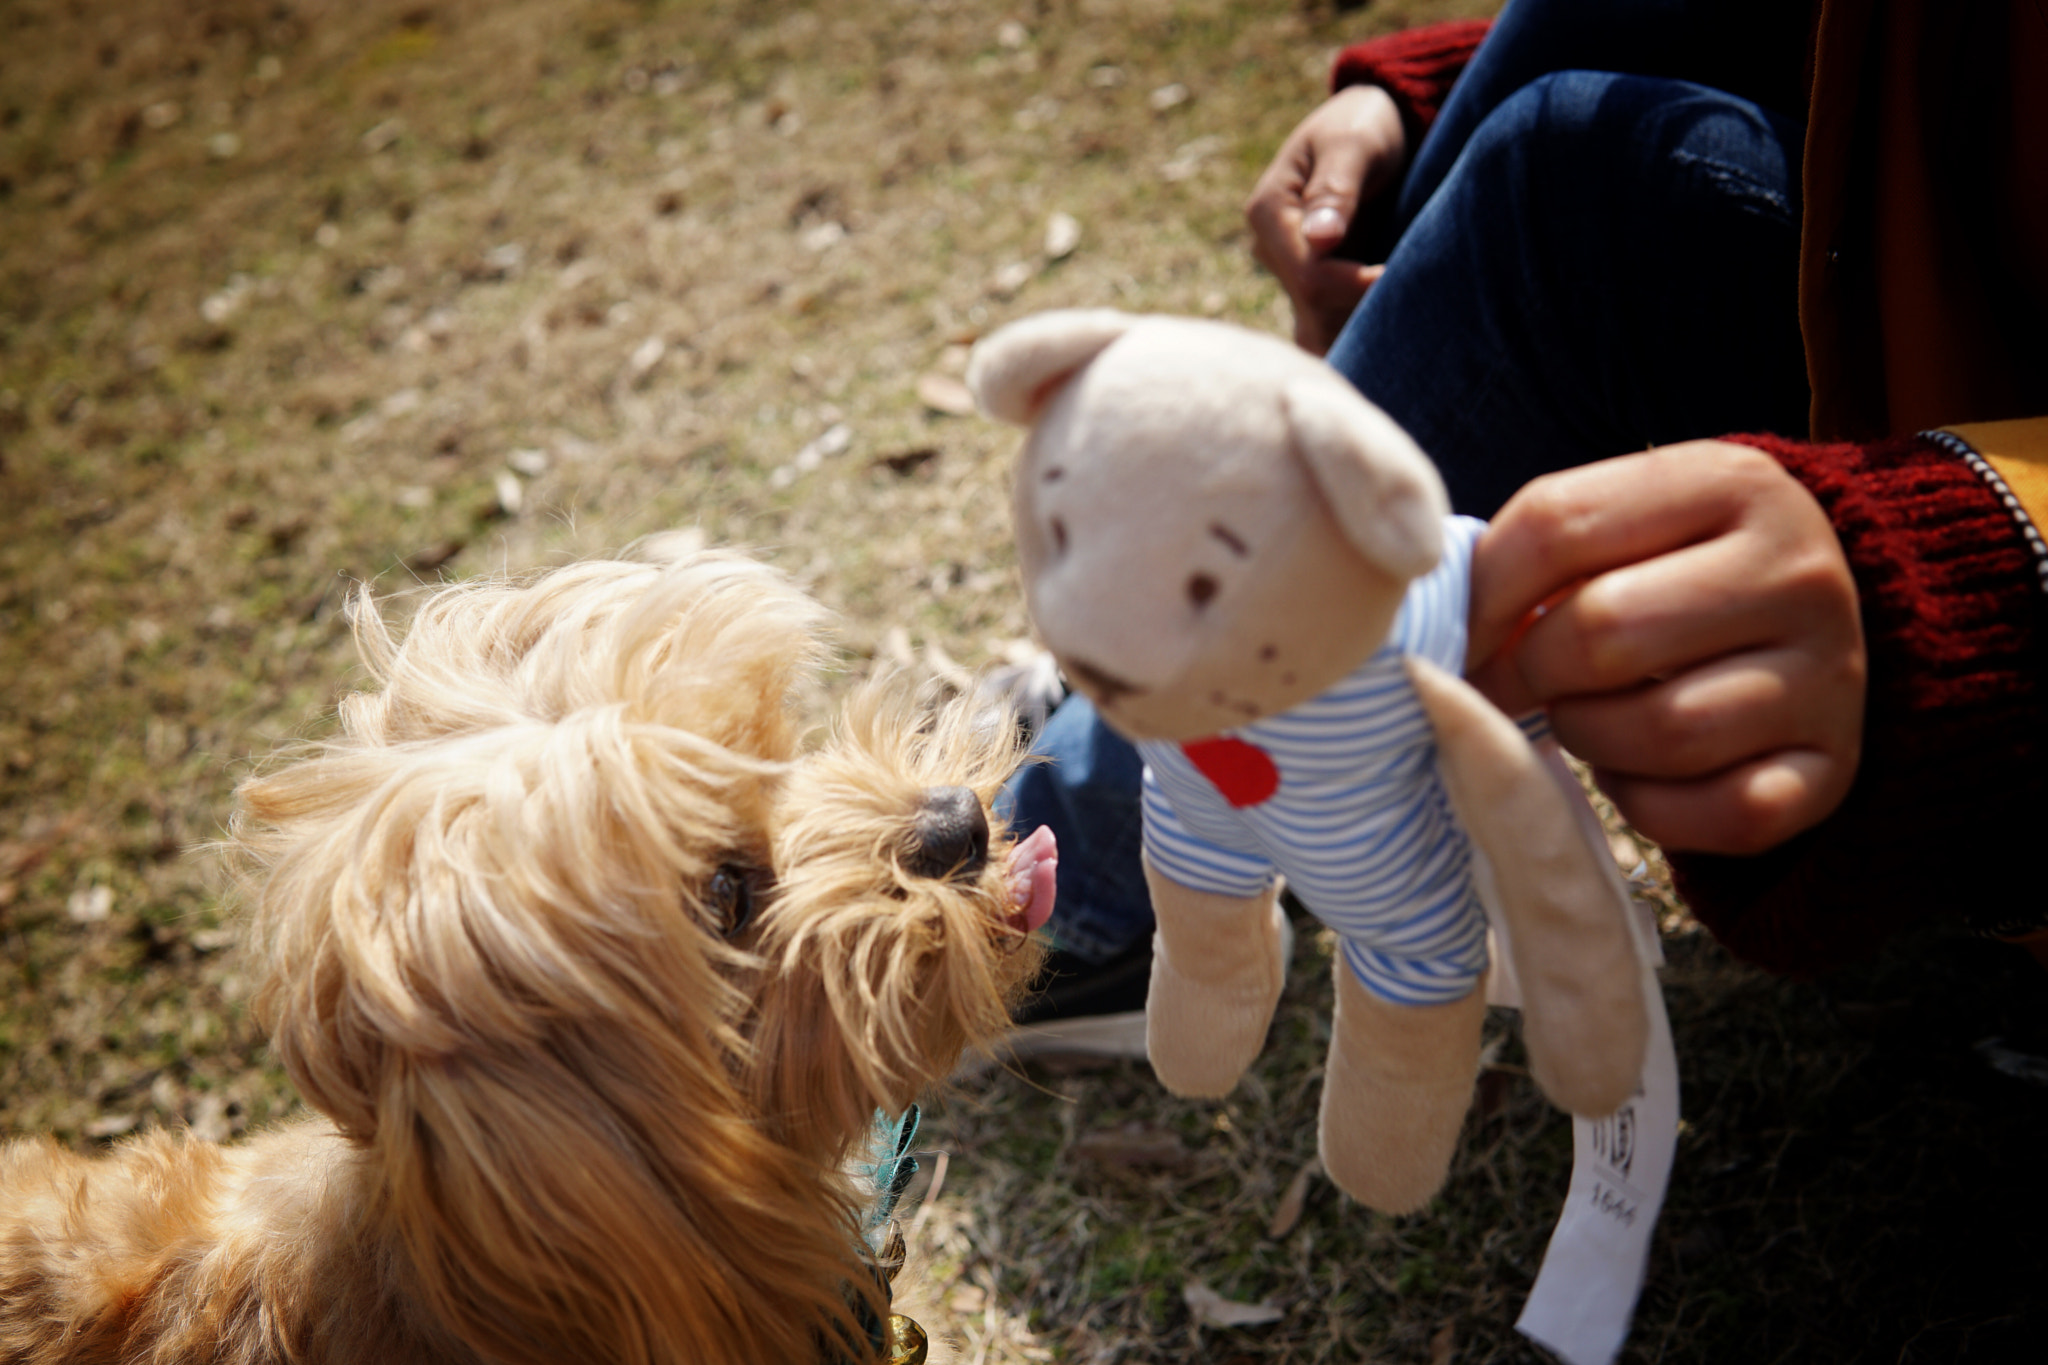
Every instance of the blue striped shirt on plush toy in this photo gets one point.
(1341, 795)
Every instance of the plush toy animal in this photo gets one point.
(1251, 571)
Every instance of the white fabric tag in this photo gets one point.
(1585, 1294)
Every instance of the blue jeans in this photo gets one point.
(1586, 262)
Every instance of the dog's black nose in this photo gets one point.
(950, 833)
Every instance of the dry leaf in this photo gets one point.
(511, 493)
(383, 135)
(1135, 1146)
(433, 556)
(38, 839)
(1443, 1344)
(1168, 96)
(1010, 278)
(943, 393)
(1062, 235)
(1211, 1309)
(1628, 854)
(1189, 158)
(90, 904)
(646, 356)
(834, 440)
(941, 665)
(208, 1120)
(909, 461)
(896, 649)
(822, 236)
(112, 1125)
(1293, 1200)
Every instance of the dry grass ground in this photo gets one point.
(294, 294)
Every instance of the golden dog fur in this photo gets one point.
(563, 1117)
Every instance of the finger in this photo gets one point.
(1274, 210)
(1580, 522)
(1499, 679)
(1277, 243)
(1325, 294)
(1744, 810)
(1354, 145)
(1330, 196)
(1664, 615)
(1714, 718)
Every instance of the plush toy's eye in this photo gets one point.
(1201, 588)
(729, 896)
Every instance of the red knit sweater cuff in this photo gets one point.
(1416, 66)
(1951, 782)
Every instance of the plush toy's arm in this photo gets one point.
(1583, 1014)
(1217, 971)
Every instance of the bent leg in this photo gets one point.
(1752, 49)
(1611, 263)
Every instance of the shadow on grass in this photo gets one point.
(1856, 1180)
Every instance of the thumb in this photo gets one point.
(1497, 672)
(1330, 198)
(1514, 588)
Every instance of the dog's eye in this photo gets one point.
(729, 896)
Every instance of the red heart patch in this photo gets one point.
(1243, 772)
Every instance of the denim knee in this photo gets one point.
(1611, 262)
(1604, 136)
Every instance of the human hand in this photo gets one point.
(1343, 154)
(1688, 618)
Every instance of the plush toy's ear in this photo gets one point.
(1015, 369)
(1382, 489)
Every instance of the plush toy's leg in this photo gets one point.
(1395, 1093)
(1583, 1017)
(1216, 976)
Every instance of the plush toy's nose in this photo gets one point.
(950, 834)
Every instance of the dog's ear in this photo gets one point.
(1382, 489)
(1016, 369)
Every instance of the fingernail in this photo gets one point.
(1323, 222)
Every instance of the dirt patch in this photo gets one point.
(298, 296)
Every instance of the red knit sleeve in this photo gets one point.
(1416, 66)
(1950, 793)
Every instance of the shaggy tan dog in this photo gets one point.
(597, 978)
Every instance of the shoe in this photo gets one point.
(1077, 1009)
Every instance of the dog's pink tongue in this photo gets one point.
(1034, 865)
